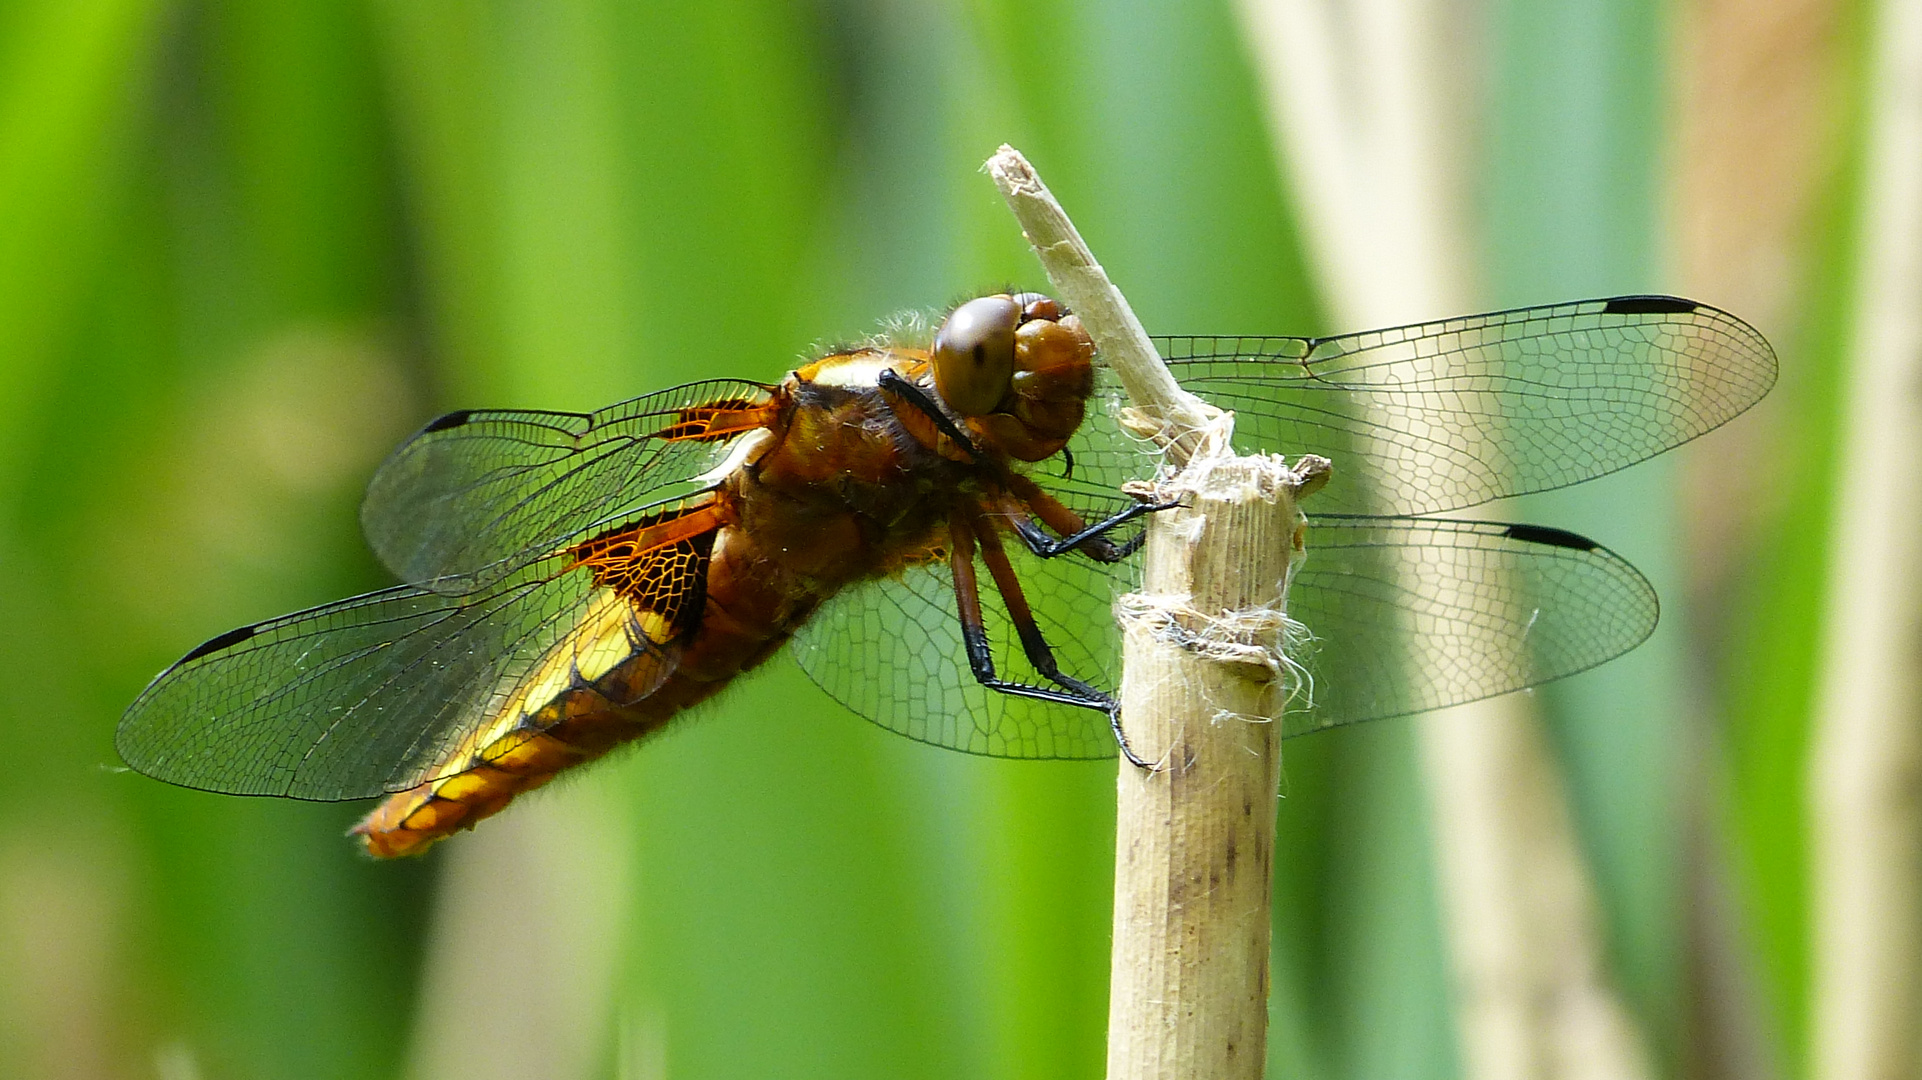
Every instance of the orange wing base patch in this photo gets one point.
(718, 420)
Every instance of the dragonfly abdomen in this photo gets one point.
(409, 822)
(637, 658)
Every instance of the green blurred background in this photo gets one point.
(246, 247)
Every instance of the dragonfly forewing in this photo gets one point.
(478, 494)
(1451, 414)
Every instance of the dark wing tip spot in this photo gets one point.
(451, 420)
(214, 645)
(1649, 305)
(1542, 534)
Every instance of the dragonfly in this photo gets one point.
(936, 530)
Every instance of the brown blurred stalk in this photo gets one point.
(1372, 106)
(1756, 145)
(1866, 778)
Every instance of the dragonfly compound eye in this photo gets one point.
(1053, 376)
(974, 354)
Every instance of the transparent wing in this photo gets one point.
(1446, 415)
(352, 699)
(891, 651)
(1407, 615)
(1410, 614)
(478, 494)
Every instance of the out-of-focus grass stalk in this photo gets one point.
(1864, 799)
(1373, 128)
(533, 899)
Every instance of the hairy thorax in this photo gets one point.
(845, 488)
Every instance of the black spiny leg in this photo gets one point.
(1076, 535)
(1091, 540)
(1073, 691)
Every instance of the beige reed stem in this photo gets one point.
(1193, 856)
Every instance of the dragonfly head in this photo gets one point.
(1019, 368)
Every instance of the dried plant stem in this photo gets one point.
(1202, 664)
(1081, 283)
(1194, 852)
(1864, 799)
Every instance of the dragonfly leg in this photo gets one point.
(1033, 644)
(1076, 534)
(1090, 540)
